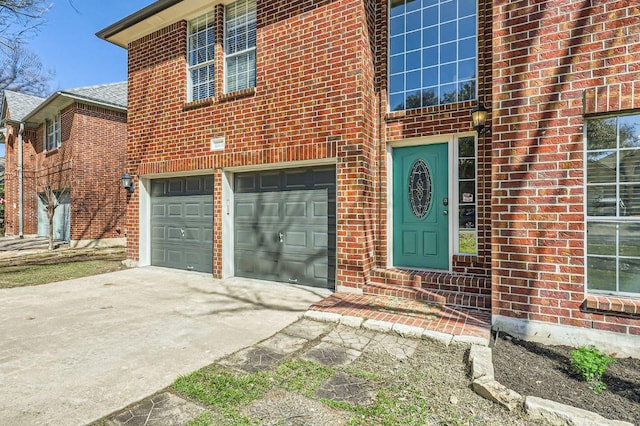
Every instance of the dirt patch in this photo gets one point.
(544, 371)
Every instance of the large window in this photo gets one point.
(201, 57)
(432, 52)
(240, 45)
(613, 204)
(52, 133)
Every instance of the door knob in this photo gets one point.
(281, 237)
(446, 212)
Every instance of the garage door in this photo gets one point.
(285, 224)
(182, 223)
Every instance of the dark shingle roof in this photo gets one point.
(114, 94)
(20, 105)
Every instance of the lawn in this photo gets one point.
(20, 276)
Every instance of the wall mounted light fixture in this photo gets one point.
(479, 119)
(127, 183)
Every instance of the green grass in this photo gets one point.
(20, 276)
(225, 392)
(468, 242)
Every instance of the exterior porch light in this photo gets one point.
(127, 183)
(479, 119)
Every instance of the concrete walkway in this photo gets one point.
(78, 350)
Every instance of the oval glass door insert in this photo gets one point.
(420, 189)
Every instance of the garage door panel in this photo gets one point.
(298, 210)
(174, 210)
(295, 240)
(182, 223)
(158, 210)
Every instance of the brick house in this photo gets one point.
(73, 142)
(330, 143)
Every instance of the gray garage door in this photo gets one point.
(285, 224)
(182, 223)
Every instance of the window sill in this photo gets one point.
(244, 93)
(51, 151)
(612, 304)
(226, 97)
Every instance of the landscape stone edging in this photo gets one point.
(399, 329)
(485, 385)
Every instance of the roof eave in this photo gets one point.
(136, 18)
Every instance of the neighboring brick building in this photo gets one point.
(330, 143)
(75, 142)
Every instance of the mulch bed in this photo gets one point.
(545, 371)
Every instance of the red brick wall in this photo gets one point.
(90, 161)
(548, 57)
(98, 137)
(313, 82)
(30, 215)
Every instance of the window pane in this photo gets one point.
(448, 52)
(630, 275)
(630, 239)
(448, 10)
(630, 165)
(630, 200)
(429, 96)
(467, 217)
(430, 76)
(467, 168)
(448, 32)
(430, 16)
(467, 90)
(448, 94)
(396, 102)
(601, 238)
(447, 73)
(468, 192)
(413, 41)
(467, 27)
(601, 167)
(413, 21)
(397, 7)
(466, 147)
(396, 45)
(466, 8)
(601, 200)
(601, 273)
(629, 128)
(601, 133)
(467, 241)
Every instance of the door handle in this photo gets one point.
(182, 232)
(281, 237)
(446, 212)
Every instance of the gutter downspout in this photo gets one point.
(20, 183)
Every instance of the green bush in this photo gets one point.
(590, 364)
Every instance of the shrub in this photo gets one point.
(590, 364)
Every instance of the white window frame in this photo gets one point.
(245, 52)
(456, 193)
(615, 219)
(210, 21)
(52, 133)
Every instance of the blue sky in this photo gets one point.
(67, 43)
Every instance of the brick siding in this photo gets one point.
(553, 62)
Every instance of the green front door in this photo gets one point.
(421, 207)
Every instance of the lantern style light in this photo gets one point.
(127, 183)
(479, 119)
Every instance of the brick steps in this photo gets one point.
(430, 287)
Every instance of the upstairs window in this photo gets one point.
(201, 57)
(52, 135)
(240, 45)
(432, 52)
(613, 204)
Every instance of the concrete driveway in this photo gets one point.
(75, 351)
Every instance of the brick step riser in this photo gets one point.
(452, 298)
